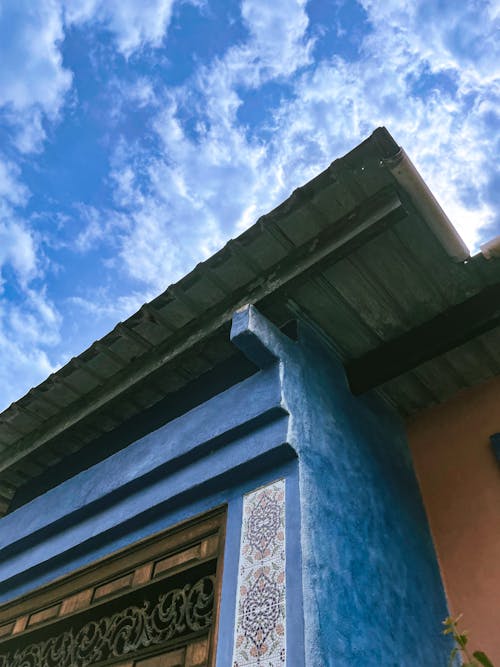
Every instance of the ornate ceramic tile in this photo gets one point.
(260, 633)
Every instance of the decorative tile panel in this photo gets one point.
(260, 632)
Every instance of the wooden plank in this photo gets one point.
(20, 625)
(76, 602)
(113, 586)
(170, 659)
(43, 615)
(197, 653)
(210, 546)
(6, 629)
(456, 326)
(142, 574)
(184, 557)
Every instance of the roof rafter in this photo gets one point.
(448, 330)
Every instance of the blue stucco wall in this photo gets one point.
(370, 584)
(372, 574)
(372, 589)
(215, 446)
(210, 456)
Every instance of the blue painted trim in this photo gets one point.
(197, 391)
(227, 610)
(294, 602)
(178, 443)
(264, 446)
(257, 337)
(369, 567)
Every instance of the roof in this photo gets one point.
(362, 252)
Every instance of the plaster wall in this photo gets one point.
(211, 455)
(372, 579)
(370, 575)
(460, 482)
(366, 573)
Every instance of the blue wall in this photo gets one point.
(372, 574)
(371, 588)
(212, 455)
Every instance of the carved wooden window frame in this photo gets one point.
(164, 591)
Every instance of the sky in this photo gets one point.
(138, 136)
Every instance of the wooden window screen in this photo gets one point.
(153, 604)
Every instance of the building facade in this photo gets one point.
(230, 476)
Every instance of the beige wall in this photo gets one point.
(460, 482)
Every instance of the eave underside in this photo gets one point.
(347, 252)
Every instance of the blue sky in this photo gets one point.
(138, 136)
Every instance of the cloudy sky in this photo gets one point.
(137, 136)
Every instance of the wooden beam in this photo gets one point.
(448, 330)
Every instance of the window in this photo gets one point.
(153, 604)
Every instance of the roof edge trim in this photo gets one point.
(406, 174)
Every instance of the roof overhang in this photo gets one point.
(363, 252)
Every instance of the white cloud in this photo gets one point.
(447, 35)
(21, 369)
(32, 73)
(34, 83)
(12, 191)
(27, 329)
(17, 243)
(206, 185)
(106, 310)
(185, 205)
(448, 141)
(449, 132)
(276, 48)
(29, 323)
(277, 33)
(426, 70)
(17, 249)
(34, 320)
(133, 24)
(185, 202)
(98, 226)
(34, 87)
(140, 93)
(33, 80)
(28, 132)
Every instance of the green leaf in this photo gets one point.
(452, 656)
(482, 658)
(462, 640)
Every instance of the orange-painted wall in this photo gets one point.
(460, 482)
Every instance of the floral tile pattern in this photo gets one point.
(260, 633)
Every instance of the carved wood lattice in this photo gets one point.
(152, 605)
(180, 611)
